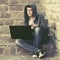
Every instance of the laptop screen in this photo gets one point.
(21, 32)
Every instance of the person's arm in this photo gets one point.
(34, 25)
(41, 22)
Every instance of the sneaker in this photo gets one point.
(35, 54)
(41, 55)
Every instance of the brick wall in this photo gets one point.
(52, 9)
(11, 13)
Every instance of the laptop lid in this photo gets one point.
(21, 32)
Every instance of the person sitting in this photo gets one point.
(36, 21)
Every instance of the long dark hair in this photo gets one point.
(25, 14)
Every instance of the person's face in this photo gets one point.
(29, 11)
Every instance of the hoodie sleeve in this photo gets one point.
(41, 21)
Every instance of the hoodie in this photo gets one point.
(39, 18)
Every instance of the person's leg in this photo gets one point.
(25, 45)
(37, 41)
(37, 35)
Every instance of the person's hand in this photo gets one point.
(33, 26)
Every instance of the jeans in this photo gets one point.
(36, 43)
(37, 35)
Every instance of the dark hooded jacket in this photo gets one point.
(39, 20)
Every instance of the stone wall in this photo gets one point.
(12, 13)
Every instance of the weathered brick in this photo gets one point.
(6, 40)
(56, 8)
(51, 23)
(4, 30)
(59, 17)
(13, 50)
(0, 14)
(12, 2)
(3, 1)
(28, 1)
(58, 45)
(24, 1)
(2, 46)
(58, 36)
(8, 22)
(16, 7)
(3, 8)
(46, 1)
(1, 22)
(33, 1)
(5, 15)
(56, 1)
(53, 7)
(17, 15)
(9, 49)
(20, 50)
(40, 7)
(54, 16)
(10, 40)
(6, 51)
(48, 15)
(1, 50)
(18, 22)
(3, 41)
(58, 30)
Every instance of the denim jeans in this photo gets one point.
(36, 43)
(37, 37)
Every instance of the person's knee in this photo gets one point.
(37, 29)
(17, 41)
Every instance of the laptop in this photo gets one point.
(21, 32)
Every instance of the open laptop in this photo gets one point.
(21, 32)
